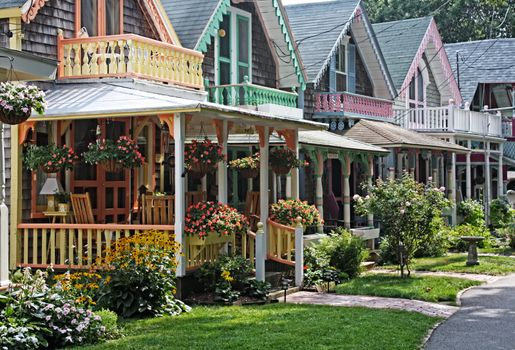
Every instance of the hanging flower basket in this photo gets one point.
(208, 218)
(13, 118)
(282, 160)
(114, 156)
(17, 102)
(112, 166)
(49, 158)
(201, 157)
(248, 167)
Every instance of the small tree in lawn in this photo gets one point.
(407, 211)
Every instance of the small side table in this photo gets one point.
(61, 215)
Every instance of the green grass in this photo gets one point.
(426, 288)
(278, 326)
(501, 251)
(489, 265)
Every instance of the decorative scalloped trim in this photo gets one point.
(285, 29)
(356, 15)
(432, 34)
(213, 25)
(158, 20)
(33, 10)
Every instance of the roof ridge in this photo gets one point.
(404, 20)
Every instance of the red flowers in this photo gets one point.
(202, 152)
(286, 212)
(50, 158)
(125, 152)
(204, 218)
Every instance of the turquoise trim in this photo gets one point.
(289, 42)
(239, 63)
(213, 26)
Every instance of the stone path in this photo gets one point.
(485, 321)
(470, 276)
(426, 308)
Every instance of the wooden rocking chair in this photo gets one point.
(195, 197)
(82, 210)
(158, 210)
(252, 209)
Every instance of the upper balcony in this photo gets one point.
(129, 55)
(261, 98)
(452, 119)
(346, 103)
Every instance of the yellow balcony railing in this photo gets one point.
(129, 55)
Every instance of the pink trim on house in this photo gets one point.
(432, 34)
(342, 102)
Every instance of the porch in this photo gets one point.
(353, 105)
(119, 199)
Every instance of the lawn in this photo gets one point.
(278, 326)
(426, 288)
(501, 251)
(489, 265)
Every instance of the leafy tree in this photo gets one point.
(407, 210)
(458, 20)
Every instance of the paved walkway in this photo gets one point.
(426, 308)
(470, 276)
(486, 319)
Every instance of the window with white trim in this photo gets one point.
(341, 68)
(416, 97)
(233, 48)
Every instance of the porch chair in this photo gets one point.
(252, 209)
(158, 210)
(82, 210)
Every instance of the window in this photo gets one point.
(416, 91)
(233, 48)
(99, 17)
(341, 68)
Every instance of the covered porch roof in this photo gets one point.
(121, 99)
(21, 66)
(393, 136)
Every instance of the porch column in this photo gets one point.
(180, 197)
(468, 172)
(346, 191)
(16, 193)
(391, 174)
(295, 171)
(441, 160)
(370, 179)
(319, 196)
(264, 134)
(428, 165)
(500, 179)
(222, 166)
(4, 217)
(452, 186)
(289, 186)
(417, 165)
(400, 159)
(488, 182)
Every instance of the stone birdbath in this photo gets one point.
(472, 255)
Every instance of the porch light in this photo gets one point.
(221, 33)
(285, 284)
(50, 188)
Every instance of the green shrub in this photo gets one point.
(472, 212)
(501, 213)
(437, 243)
(334, 258)
(109, 320)
(229, 278)
(455, 234)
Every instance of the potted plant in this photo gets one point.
(201, 157)
(63, 201)
(211, 222)
(248, 167)
(114, 156)
(282, 160)
(49, 158)
(285, 212)
(17, 102)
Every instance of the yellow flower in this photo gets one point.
(226, 275)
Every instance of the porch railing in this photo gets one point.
(507, 128)
(73, 246)
(346, 102)
(128, 55)
(450, 119)
(247, 94)
(281, 245)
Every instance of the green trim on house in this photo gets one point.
(291, 45)
(213, 26)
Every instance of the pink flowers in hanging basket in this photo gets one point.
(204, 218)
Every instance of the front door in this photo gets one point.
(109, 192)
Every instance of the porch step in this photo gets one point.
(279, 294)
(368, 265)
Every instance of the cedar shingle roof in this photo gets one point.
(483, 61)
(307, 20)
(399, 42)
(189, 18)
(389, 135)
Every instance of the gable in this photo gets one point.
(418, 36)
(198, 22)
